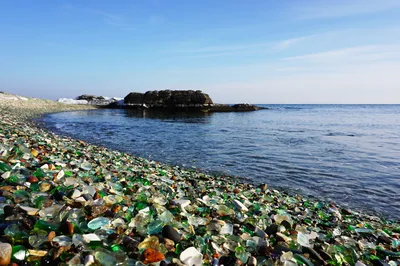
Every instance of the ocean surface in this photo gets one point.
(346, 153)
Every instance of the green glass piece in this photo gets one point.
(47, 226)
(140, 205)
(40, 201)
(242, 254)
(116, 248)
(129, 213)
(318, 205)
(19, 252)
(146, 182)
(102, 194)
(178, 248)
(308, 221)
(34, 187)
(39, 173)
(68, 173)
(142, 197)
(13, 179)
(4, 167)
(323, 216)
(21, 195)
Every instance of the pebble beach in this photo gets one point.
(66, 202)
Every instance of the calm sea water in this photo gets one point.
(346, 153)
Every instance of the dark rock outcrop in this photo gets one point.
(244, 107)
(134, 98)
(180, 100)
(169, 99)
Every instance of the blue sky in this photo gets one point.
(338, 51)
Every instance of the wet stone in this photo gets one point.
(227, 260)
(5, 253)
(170, 232)
(67, 228)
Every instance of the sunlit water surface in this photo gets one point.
(346, 153)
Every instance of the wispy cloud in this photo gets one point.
(107, 17)
(241, 49)
(289, 42)
(357, 53)
(343, 8)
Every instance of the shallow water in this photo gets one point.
(346, 153)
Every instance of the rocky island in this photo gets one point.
(185, 100)
(164, 100)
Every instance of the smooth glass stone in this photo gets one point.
(13, 179)
(98, 222)
(86, 166)
(5, 253)
(155, 227)
(40, 201)
(38, 239)
(50, 211)
(105, 258)
(167, 217)
(21, 195)
(39, 173)
(226, 229)
(242, 254)
(150, 242)
(19, 252)
(4, 167)
(47, 226)
(303, 240)
(11, 230)
(191, 256)
(63, 240)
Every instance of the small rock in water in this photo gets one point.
(170, 232)
(5, 254)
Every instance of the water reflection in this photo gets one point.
(171, 117)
